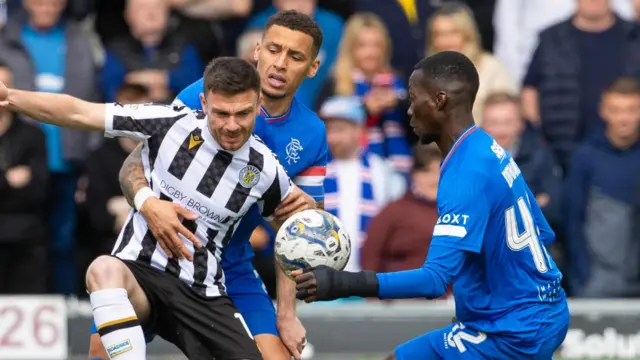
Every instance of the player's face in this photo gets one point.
(369, 50)
(342, 138)
(285, 58)
(446, 36)
(503, 122)
(621, 112)
(231, 117)
(424, 109)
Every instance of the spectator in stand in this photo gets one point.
(452, 27)
(331, 25)
(47, 52)
(518, 23)
(363, 70)
(153, 54)
(503, 120)
(358, 183)
(601, 186)
(107, 208)
(23, 184)
(574, 62)
(246, 45)
(398, 238)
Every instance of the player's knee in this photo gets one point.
(106, 272)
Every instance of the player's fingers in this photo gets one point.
(302, 294)
(189, 235)
(179, 249)
(310, 299)
(309, 284)
(184, 212)
(295, 353)
(164, 247)
(302, 278)
(295, 273)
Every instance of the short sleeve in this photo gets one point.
(280, 188)
(534, 71)
(311, 180)
(464, 212)
(141, 121)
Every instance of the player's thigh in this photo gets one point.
(219, 327)
(250, 297)
(454, 342)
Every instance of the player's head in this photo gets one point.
(288, 53)
(441, 87)
(620, 108)
(231, 100)
(502, 119)
(425, 171)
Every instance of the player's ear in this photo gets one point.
(203, 103)
(441, 99)
(256, 52)
(313, 70)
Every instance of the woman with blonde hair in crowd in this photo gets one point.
(362, 69)
(452, 27)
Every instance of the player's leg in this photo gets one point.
(250, 297)
(119, 304)
(96, 349)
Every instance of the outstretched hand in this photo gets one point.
(4, 94)
(315, 284)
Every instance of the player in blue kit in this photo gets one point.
(285, 57)
(489, 240)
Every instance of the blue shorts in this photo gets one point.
(250, 297)
(456, 342)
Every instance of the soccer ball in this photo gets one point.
(311, 238)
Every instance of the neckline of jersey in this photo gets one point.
(274, 119)
(458, 141)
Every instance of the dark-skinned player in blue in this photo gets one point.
(286, 56)
(489, 241)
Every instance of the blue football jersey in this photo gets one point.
(299, 139)
(486, 209)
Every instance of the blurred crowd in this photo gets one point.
(559, 91)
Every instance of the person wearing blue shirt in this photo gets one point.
(489, 240)
(331, 25)
(287, 55)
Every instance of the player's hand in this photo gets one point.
(163, 218)
(315, 284)
(293, 335)
(296, 202)
(4, 93)
(19, 176)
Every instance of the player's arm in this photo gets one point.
(464, 211)
(545, 232)
(190, 96)
(57, 109)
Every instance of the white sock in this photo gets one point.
(117, 324)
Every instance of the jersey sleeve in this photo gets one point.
(190, 96)
(545, 232)
(142, 121)
(464, 210)
(311, 180)
(281, 186)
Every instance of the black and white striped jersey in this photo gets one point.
(184, 164)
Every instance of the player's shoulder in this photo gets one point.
(315, 131)
(256, 143)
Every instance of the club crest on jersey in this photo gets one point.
(249, 176)
(292, 150)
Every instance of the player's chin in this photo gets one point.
(271, 93)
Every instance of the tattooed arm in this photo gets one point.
(163, 217)
(131, 175)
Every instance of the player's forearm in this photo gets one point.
(131, 175)
(286, 294)
(58, 109)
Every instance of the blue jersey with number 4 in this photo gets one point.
(298, 138)
(489, 242)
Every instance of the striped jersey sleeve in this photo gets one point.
(141, 121)
(464, 210)
(311, 180)
(281, 186)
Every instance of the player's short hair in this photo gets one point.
(133, 92)
(624, 86)
(451, 66)
(4, 65)
(425, 155)
(230, 76)
(501, 97)
(298, 21)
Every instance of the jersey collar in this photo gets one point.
(458, 141)
(273, 119)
